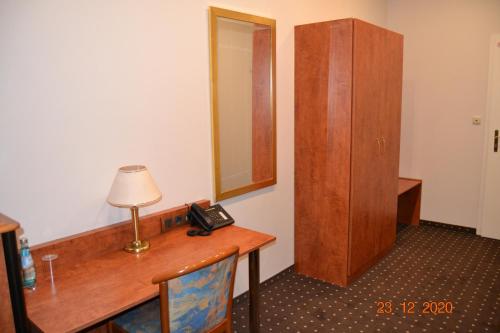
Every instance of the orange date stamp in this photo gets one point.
(412, 307)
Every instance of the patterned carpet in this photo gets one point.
(436, 279)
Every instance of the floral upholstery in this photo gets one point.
(197, 302)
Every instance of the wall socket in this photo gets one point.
(174, 217)
(172, 221)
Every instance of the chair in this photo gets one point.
(194, 298)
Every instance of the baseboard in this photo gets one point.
(468, 230)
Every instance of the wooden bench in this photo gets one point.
(409, 196)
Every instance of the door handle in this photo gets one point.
(495, 142)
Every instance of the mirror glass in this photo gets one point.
(243, 102)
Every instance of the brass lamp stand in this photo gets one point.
(136, 246)
(132, 188)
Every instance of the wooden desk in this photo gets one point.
(97, 289)
(409, 197)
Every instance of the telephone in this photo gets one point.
(213, 217)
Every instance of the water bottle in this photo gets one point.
(27, 265)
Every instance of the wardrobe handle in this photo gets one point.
(383, 145)
(378, 143)
(495, 142)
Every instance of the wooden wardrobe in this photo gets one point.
(348, 80)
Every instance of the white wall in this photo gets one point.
(88, 86)
(445, 84)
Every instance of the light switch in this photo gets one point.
(476, 120)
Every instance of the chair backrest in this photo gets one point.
(199, 297)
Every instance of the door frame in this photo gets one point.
(495, 38)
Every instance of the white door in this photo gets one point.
(490, 226)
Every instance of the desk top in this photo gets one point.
(406, 184)
(94, 290)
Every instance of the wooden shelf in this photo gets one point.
(409, 197)
(406, 184)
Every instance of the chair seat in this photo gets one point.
(142, 319)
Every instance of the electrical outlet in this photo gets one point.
(166, 224)
(476, 120)
(175, 217)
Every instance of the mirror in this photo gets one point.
(242, 54)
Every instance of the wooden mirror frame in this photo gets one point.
(214, 14)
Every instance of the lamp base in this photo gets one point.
(137, 246)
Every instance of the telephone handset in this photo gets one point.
(213, 217)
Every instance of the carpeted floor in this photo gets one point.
(429, 264)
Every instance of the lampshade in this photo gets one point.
(133, 187)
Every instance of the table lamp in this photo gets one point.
(132, 188)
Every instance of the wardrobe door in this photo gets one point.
(368, 167)
(390, 125)
(365, 153)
